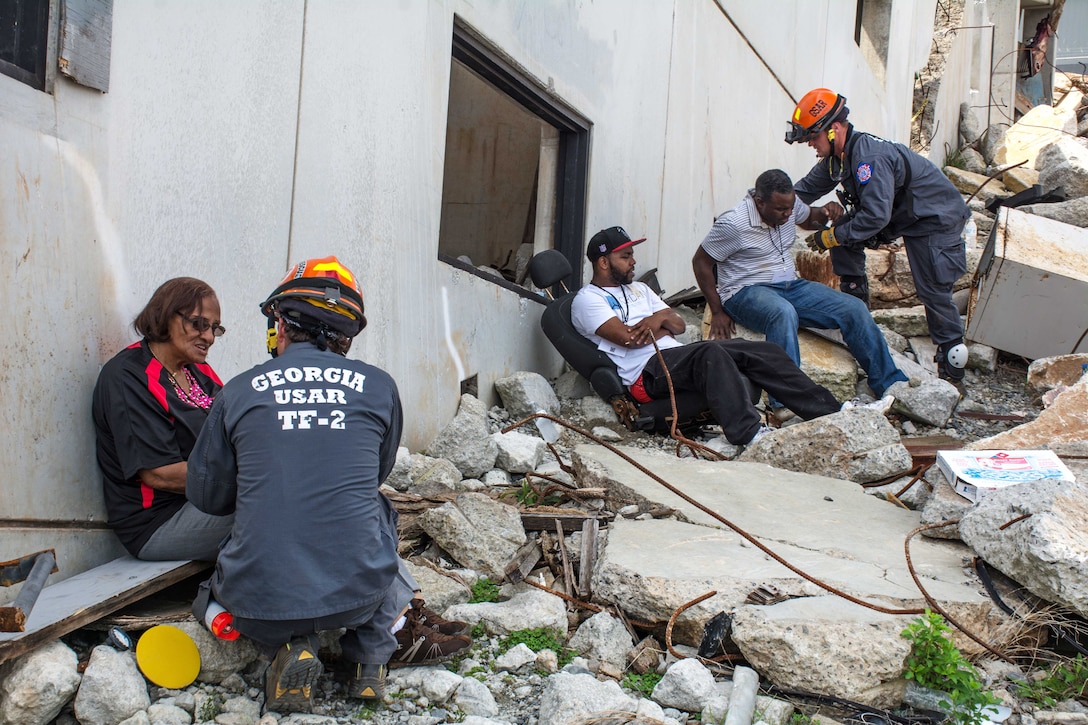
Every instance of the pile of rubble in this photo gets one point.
(783, 565)
(626, 554)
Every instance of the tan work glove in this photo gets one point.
(822, 240)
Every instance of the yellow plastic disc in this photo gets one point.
(168, 657)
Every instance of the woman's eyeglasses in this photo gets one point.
(201, 324)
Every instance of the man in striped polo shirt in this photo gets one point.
(745, 269)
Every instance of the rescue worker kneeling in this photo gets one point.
(314, 542)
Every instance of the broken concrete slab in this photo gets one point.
(827, 527)
(572, 386)
(1047, 373)
(828, 645)
(524, 393)
(440, 590)
(1040, 126)
(982, 186)
(1073, 212)
(930, 401)
(1020, 179)
(858, 445)
(518, 452)
(528, 609)
(943, 504)
(1036, 533)
(907, 321)
(1065, 164)
(1066, 420)
(466, 440)
(1032, 287)
(428, 476)
(477, 531)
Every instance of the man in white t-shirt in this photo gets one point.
(624, 318)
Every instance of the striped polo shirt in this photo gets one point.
(748, 251)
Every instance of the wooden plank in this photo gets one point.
(523, 562)
(588, 557)
(75, 602)
(571, 520)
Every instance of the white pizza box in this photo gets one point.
(975, 473)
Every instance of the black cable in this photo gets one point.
(887, 715)
(983, 572)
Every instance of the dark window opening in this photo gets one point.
(516, 167)
(872, 33)
(24, 40)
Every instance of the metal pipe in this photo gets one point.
(13, 618)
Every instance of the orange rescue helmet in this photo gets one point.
(323, 290)
(815, 112)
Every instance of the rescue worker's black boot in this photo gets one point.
(855, 286)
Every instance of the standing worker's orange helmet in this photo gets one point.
(815, 112)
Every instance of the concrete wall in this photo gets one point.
(239, 137)
(981, 70)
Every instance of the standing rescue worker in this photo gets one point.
(296, 448)
(888, 191)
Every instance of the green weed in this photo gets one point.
(642, 684)
(540, 638)
(484, 590)
(934, 662)
(1067, 680)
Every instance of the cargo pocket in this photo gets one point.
(949, 257)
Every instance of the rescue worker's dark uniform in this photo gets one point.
(919, 204)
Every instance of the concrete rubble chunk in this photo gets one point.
(826, 644)
(473, 698)
(653, 567)
(931, 401)
(596, 410)
(907, 321)
(604, 637)
(441, 591)
(686, 685)
(112, 688)
(572, 386)
(944, 504)
(991, 140)
(399, 477)
(969, 127)
(1047, 551)
(858, 445)
(1073, 212)
(1039, 127)
(429, 476)
(570, 698)
(1065, 421)
(968, 182)
(528, 609)
(38, 685)
(1020, 179)
(1065, 164)
(1047, 373)
(219, 658)
(466, 440)
(524, 393)
(973, 160)
(518, 452)
(477, 531)
(515, 658)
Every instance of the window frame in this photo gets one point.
(43, 78)
(474, 52)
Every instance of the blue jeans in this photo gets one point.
(778, 309)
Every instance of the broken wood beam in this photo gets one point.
(570, 519)
(568, 572)
(523, 562)
(13, 617)
(588, 558)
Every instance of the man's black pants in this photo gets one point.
(715, 369)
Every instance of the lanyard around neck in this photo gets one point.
(614, 303)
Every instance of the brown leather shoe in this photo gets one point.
(418, 644)
(430, 618)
